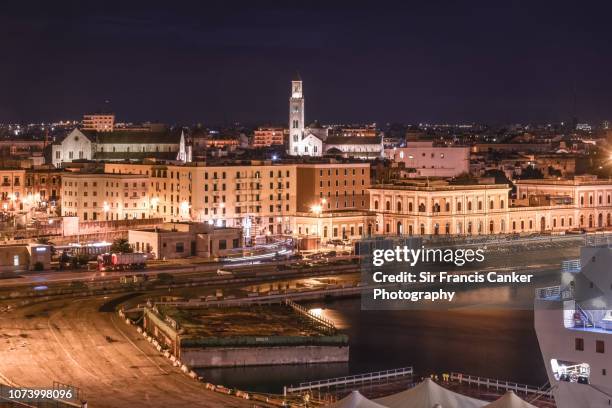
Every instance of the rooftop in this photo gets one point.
(341, 140)
(85, 175)
(424, 186)
(586, 180)
(137, 137)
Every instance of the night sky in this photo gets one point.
(214, 63)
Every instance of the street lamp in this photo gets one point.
(317, 209)
(185, 209)
(154, 203)
(106, 209)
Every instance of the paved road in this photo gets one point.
(71, 341)
(185, 270)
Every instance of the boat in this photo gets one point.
(573, 323)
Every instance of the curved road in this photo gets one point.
(72, 342)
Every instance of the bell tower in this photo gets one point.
(296, 116)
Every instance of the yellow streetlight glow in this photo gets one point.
(316, 209)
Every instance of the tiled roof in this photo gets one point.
(126, 136)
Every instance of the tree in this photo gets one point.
(121, 245)
(531, 172)
(500, 176)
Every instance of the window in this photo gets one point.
(180, 247)
(579, 342)
(222, 244)
(600, 346)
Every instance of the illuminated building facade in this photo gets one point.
(99, 122)
(423, 159)
(259, 197)
(105, 197)
(582, 203)
(333, 186)
(266, 137)
(439, 209)
(12, 190)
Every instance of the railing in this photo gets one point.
(587, 320)
(499, 384)
(571, 266)
(549, 293)
(598, 240)
(349, 380)
(554, 293)
(326, 324)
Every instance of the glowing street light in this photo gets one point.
(317, 208)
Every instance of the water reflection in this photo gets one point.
(271, 379)
(476, 339)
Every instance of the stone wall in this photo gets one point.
(251, 356)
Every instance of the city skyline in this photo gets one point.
(220, 64)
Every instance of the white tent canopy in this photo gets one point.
(355, 400)
(510, 400)
(428, 394)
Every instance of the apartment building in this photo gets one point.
(333, 186)
(269, 136)
(105, 197)
(99, 122)
(44, 184)
(423, 159)
(258, 197)
(12, 189)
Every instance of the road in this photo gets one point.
(73, 342)
(185, 270)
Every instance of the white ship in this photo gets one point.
(573, 323)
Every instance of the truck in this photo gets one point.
(121, 261)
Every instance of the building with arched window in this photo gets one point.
(542, 206)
